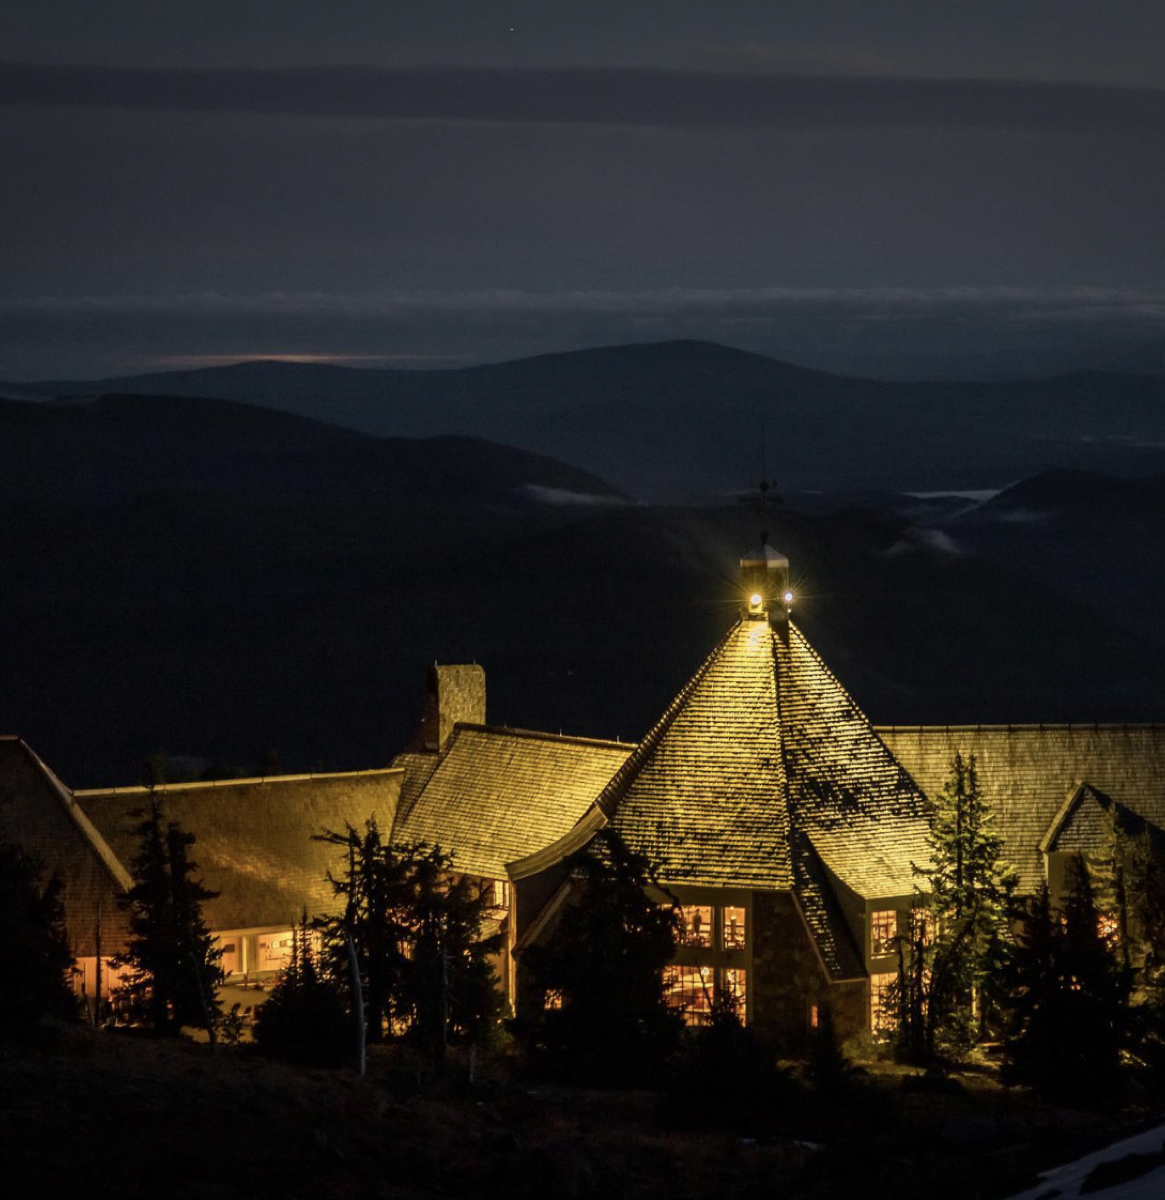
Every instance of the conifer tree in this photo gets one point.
(958, 957)
(305, 1018)
(1068, 1007)
(1145, 890)
(173, 969)
(603, 966)
(419, 931)
(37, 960)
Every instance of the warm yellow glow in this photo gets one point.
(788, 597)
(755, 599)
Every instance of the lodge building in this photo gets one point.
(785, 825)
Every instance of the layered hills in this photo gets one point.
(684, 421)
(225, 581)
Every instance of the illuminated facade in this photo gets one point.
(784, 824)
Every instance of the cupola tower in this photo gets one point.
(764, 581)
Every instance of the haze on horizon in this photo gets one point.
(872, 188)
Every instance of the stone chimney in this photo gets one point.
(453, 692)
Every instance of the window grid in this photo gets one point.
(883, 931)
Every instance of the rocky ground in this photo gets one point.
(116, 1114)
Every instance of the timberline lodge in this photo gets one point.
(786, 826)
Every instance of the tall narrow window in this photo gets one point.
(497, 893)
(734, 928)
(736, 990)
(883, 931)
(881, 1014)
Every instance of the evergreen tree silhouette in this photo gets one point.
(173, 970)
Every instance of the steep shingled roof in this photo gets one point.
(704, 794)
(866, 817)
(1087, 822)
(254, 836)
(499, 794)
(761, 770)
(762, 750)
(38, 813)
(1029, 772)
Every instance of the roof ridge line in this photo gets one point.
(190, 785)
(544, 735)
(782, 748)
(596, 816)
(97, 843)
(1018, 726)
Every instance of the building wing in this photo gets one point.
(254, 837)
(1028, 773)
(38, 813)
(494, 795)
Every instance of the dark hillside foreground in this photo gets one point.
(135, 1117)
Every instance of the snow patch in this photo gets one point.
(917, 541)
(1130, 1164)
(566, 498)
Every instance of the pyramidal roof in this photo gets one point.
(764, 773)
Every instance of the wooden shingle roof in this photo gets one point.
(1029, 772)
(760, 774)
(704, 794)
(500, 794)
(763, 753)
(864, 814)
(38, 813)
(254, 836)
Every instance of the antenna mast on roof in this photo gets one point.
(761, 499)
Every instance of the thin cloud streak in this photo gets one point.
(1079, 303)
(638, 96)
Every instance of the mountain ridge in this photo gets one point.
(683, 421)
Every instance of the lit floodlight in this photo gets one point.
(755, 599)
(788, 597)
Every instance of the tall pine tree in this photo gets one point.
(37, 958)
(954, 968)
(172, 968)
(422, 940)
(602, 971)
(1068, 1014)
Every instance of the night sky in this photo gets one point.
(902, 188)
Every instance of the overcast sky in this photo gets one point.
(894, 188)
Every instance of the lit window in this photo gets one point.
(734, 929)
(814, 1017)
(881, 1012)
(274, 950)
(552, 999)
(497, 893)
(736, 990)
(883, 931)
(690, 990)
(1107, 927)
(697, 930)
